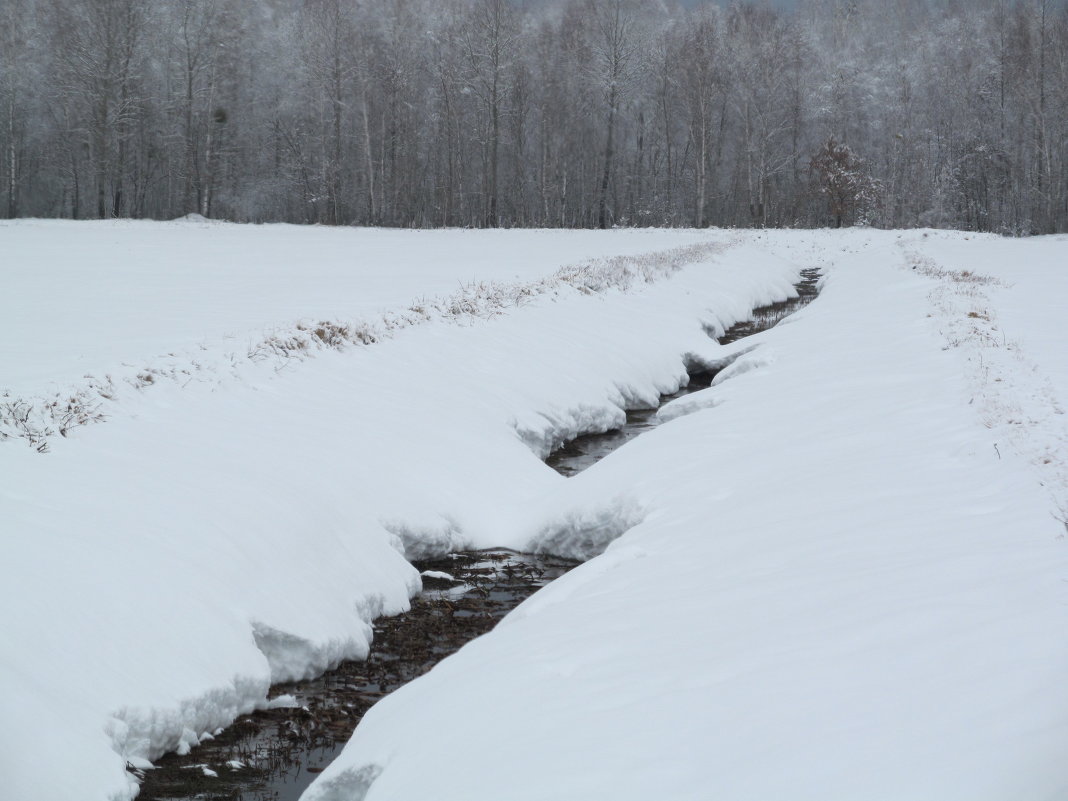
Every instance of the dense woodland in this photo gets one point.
(540, 113)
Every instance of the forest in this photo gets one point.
(554, 113)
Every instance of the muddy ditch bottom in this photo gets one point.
(584, 451)
(274, 754)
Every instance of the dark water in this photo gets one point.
(273, 755)
(581, 452)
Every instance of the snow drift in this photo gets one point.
(848, 579)
(217, 535)
(836, 573)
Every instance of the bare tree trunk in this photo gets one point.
(208, 184)
(609, 152)
(702, 166)
(12, 160)
(495, 139)
(450, 166)
(335, 183)
(101, 160)
(370, 159)
(205, 194)
(495, 113)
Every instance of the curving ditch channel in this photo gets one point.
(274, 754)
(581, 452)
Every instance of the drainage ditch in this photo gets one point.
(274, 754)
(581, 452)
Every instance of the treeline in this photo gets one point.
(576, 113)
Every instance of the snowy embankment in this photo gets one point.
(846, 575)
(245, 524)
(97, 312)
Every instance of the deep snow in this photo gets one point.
(845, 576)
(213, 536)
(830, 583)
(104, 297)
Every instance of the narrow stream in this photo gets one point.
(581, 452)
(273, 755)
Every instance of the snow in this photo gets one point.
(95, 297)
(212, 537)
(437, 574)
(1012, 330)
(818, 578)
(837, 587)
(204, 769)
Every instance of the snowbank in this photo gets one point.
(1007, 318)
(109, 298)
(212, 537)
(79, 330)
(836, 573)
(846, 581)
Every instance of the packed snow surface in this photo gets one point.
(839, 572)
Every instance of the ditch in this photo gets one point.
(274, 754)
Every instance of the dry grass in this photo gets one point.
(928, 267)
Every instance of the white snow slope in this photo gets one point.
(843, 577)
(91, 297)
(240, 523)
(848, 579)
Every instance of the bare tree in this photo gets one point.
(97, 52)
(561, 112)
(705, 88)
(202, 35)
(18, 70)
(487, 40)
(615, 45)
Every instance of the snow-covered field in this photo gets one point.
(92, 309)
(840, 572)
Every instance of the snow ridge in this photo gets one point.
(1012, 395)
(585, 532)
(36, 419)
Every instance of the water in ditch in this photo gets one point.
(274, 754)
(581, 452)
